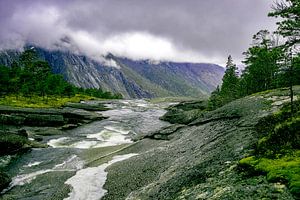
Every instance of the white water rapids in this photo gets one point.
(37, 172)
(88, 183)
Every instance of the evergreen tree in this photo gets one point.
(31, 76)
(41, 70)
(14, 76)
(261, 64)
(288, 27)
(230, 84)
(215, 99)
(4, 80)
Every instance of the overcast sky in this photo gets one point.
(176, 30)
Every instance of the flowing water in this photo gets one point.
(61, 172)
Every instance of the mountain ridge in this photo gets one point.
(131, 78)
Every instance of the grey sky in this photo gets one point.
(179, 30)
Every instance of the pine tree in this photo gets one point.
(4, 80)
(230, 84)
(261, 64)
(215, 100)
(288, 27)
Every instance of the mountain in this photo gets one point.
(131, 78)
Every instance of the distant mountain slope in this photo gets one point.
(133, 79)
(189, 79)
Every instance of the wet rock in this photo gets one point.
(46, 117)
(43, 131)
(165, 133)
(185, 112)
(38, 138)
(22, 132)
(69, 126)
(90, 106)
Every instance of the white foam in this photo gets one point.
(84, 144)
(104, 134)
(31, 164)
(88, 183)
(25, 179)
(71, 164)
(60, 142)
(110, 136)
(142, 105)
(117, 129)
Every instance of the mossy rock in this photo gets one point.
(181, 117)
(285, 169)
(4, 180)
(284, 137)
(11, 143)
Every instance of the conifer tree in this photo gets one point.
(230, 84)
(288, 27)
(261, 64)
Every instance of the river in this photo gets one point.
(64, 170)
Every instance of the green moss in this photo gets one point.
(10, 143)
(40, 102)
(285, 169)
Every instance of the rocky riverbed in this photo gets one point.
(22, 128)
(78, 151)
(134, 155)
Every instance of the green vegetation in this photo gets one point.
(229, 88)
(285, 169)
(277, 153)
(272, 61)
(29, 82)
(41, 102)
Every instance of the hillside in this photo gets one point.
(133, 79)
(200, 160)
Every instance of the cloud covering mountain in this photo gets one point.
(191, 30)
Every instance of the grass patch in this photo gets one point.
(285, 169)
(40, 102)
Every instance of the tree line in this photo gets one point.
(29, 76)
(272, 61)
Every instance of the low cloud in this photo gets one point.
(192, 30)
